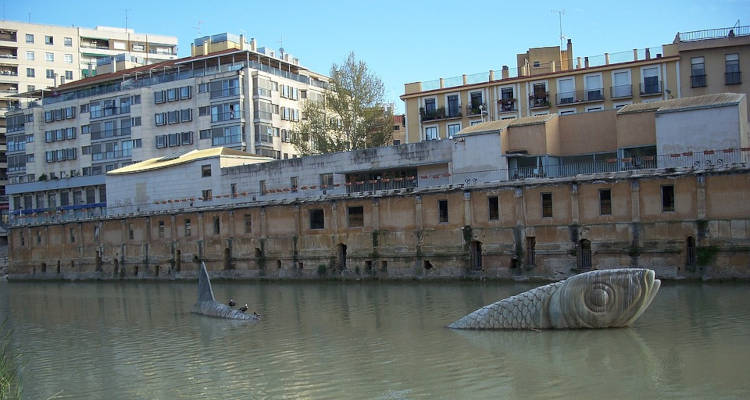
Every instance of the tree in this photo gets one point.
(351, 115)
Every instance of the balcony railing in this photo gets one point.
(713, 33)
(8, 73)
(111, 155)
(438, 113)
(381, 184)
(507, 105)
(732, 78)
(539, 100)
(621, 91)
(698, 80)
(580, 96)
(109, 112)
(108, 133)
(264, 115)
(476, 109)
(225, 92)
(651, 88)
(9, 56)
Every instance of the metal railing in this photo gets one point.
(537, 100)
(580, 96)
(507, 105)
(226, 116)
(111, 155)
(732, 78)
(648, 89)
(380, 184)
(621, 91)
(713, 33)
(109, 112)
(698, 80)
(438, 113)
(9, 56)
(476, 110)
(225, 92)
(109, 133)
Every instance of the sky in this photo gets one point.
(401, 41)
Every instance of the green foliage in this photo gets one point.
(42, 177)
(350, 116)
(10, 384)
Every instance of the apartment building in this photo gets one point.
(550, 80)
(242, 97)
(35, 56)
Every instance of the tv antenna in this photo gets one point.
(560, 13)
(198, 27)
(281, 43)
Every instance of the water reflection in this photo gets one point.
(370, 340)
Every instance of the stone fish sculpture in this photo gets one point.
(595, 299)
(207, 304)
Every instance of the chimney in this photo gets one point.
(635, 54)
(570, 54)
(492, 75)
(586, 62)
(648, 54)
(242, 42)
(506, 72)
(252, 44)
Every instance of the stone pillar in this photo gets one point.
(635, 200)
(334, 217)
(263, 227)
(375, 223)
(418, 211)
(520, 207)
(467, 208)
(442, 83)
(574, 205)
(701, 196)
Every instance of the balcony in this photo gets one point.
(476, 109)
(732, 78)
(580, 96)
(109, 112)
(539, 100)
(507, 105)
(110, 133)
(8, 36)
(621, 91)
(111, 155)
(8, 56)
(698, 80)
(651, 88)
(436, 114)
(264, 115)
(231, 116)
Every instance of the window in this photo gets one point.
(546, 205)
(68, 58)
(262, 187)
(530, 250)
(691, 258)
(68, 75)
(326, 180)
(605, 202)
(593, 86)
(732, 69)
(50, 74)
(697, 72)
(667, 198)
(186, 115)
(187, 227)
(507, 102)
(204, 111)
(48, 40)
(49, 56)
(294, 182)
(651, 84)
(566, 91)
(442, 210)
(159, 97)
(248, 223)
(205, 134)
(30, 88)
(185, 92)
(205, 170)
(30, 55)
(475, 101)
(475, 122)
(206, 195)
(317, 219)
(68, 42)
(173, 117)
(621, 84)
(161, 229)
(202, 87)
(494, 208)
(431, 133)
(429, 106)
(30, 72)
(29, 38)
(217, 225)
(172, 94)
(356, 216)
(453, 129)
(453, 107)
(131, 234)
(136, 99)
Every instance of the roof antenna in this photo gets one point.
(560, 13)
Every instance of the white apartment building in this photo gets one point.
(36, 56)
(59, 150)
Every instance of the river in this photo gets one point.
(370, 340)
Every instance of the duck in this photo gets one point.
(243, 308)
(231, 303)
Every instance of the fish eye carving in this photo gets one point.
(600, 297)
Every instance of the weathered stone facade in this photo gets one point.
(701, 231)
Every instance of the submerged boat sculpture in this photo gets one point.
(207, 304)
(596, 299)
